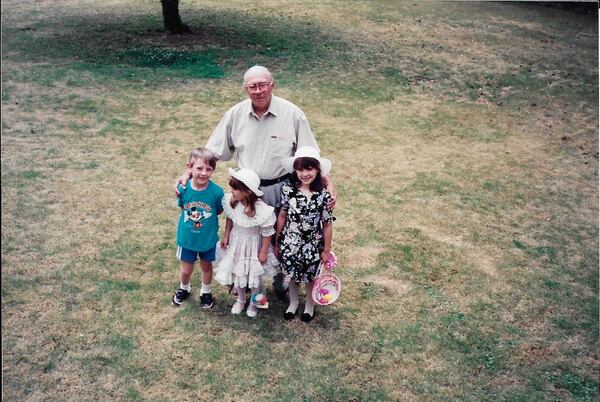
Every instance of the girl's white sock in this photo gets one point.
(309, 306)
(238, 306)
(252, 310)
(294, 297)
(187, 287)
(241, 295)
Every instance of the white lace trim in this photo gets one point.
(264, 216)
(243, 271)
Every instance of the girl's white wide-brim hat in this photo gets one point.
(307, 152)
(249, 178)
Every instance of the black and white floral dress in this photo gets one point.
(301, 241)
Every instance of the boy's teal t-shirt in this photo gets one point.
(198, 225)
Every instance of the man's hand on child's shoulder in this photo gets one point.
(182, 181)
(332, 196)
(176, 188)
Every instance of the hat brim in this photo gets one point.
(324, 163)
(234, 173)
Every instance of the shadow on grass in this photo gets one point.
(222, 42)
(118, 48)
(131, 48)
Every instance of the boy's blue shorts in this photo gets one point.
(186, 255)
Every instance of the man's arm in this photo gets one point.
(328, 182)
(182, 181)
(304, 134)
(220, 141)
(305, 137)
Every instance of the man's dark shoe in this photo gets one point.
(206, 301)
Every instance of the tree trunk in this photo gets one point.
(171, 18)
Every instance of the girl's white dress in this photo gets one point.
(238, 264)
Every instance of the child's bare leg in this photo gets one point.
(187, 269)
(185, 287)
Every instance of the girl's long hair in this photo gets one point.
(306, 163)
(249, 197)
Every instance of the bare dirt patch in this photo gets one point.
(396, 286)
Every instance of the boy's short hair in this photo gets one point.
(205, 154)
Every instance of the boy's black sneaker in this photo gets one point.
(180, 296)
(206, 300)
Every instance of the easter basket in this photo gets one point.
(326, 286)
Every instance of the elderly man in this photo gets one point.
(262, 130)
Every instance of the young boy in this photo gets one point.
(200, 203)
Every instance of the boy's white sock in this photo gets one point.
(187, 287)
(205, 289)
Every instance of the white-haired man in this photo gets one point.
(261, 131)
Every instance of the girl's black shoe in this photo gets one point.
(288, 315)
(305, 317)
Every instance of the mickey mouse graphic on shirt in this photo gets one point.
(195, 213)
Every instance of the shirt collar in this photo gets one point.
(273, 109)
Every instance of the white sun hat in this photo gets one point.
(249, 178)
(307, 152)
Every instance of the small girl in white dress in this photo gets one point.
(247, 254)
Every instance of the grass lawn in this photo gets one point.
(464, 141)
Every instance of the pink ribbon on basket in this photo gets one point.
(332, 262)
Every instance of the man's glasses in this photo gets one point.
(258, 86)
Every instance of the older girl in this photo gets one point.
(304, 226)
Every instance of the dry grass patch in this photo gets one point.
(465, 156)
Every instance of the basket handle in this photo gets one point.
(322, 269)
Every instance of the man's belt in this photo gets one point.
(270, 182)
